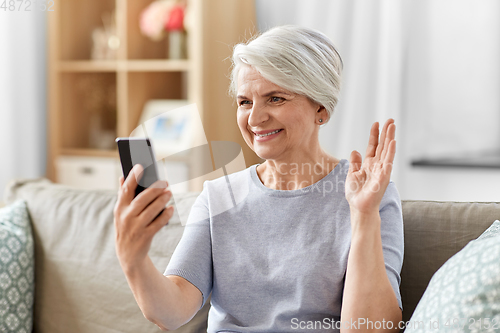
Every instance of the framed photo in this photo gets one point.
(169, 124)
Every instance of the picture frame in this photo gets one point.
(169, 124)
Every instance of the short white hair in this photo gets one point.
(301, 60)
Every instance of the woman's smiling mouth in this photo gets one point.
(266, 135)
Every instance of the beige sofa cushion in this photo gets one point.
(434, 232)
(79, 285)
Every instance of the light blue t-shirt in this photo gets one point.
(276, 259)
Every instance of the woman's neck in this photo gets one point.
(295, 173)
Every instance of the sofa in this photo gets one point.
(80, 287)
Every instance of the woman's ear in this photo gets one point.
(322, 115)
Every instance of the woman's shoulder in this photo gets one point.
(235, 178)
(228, 190)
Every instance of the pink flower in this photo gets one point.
(153, 18)
(175, 19)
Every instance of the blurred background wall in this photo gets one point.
(22, 95)
(431, 65)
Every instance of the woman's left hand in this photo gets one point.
(367, 180)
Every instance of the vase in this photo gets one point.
(176, 44)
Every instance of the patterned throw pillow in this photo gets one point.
(16, 269)
(464, 294)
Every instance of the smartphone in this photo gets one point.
(134, 151)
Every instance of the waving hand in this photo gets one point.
(367, 180)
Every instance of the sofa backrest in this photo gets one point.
(434, 232)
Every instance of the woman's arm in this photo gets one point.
(167, 301)
(368, 293)
(369, 299)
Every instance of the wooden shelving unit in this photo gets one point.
(89, 152)
(129, 65)
(114, 92)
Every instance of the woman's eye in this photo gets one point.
(244, 102)
(277, 99)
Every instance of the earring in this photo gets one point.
(321, 120)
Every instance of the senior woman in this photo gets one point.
(316, 244)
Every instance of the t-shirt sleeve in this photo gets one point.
(192, 258)
(391, 229)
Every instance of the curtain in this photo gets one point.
(368, 36)
(431, 65)
(22, 95)
(451, 102)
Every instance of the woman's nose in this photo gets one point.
(258, 115)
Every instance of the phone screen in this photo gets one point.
(138, 151)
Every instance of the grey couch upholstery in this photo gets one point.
(434, 232)
(79, 286)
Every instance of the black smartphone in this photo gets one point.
(134, 151)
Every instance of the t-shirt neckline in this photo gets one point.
(318, 186)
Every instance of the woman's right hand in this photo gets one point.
(135, 221)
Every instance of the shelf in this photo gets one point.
(77, 20)
(114, 154)
(91, 102)
(88, 116)
(144, 86)
(176, 158)
(89, 152)
(483, 160)
(88, 66)
(138, 45)
(131, 66)
(158, 65)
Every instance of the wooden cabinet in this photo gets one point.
(109, 95)
(88, 172)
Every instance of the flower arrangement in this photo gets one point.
(161, 16)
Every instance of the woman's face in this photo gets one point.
(264, 107)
